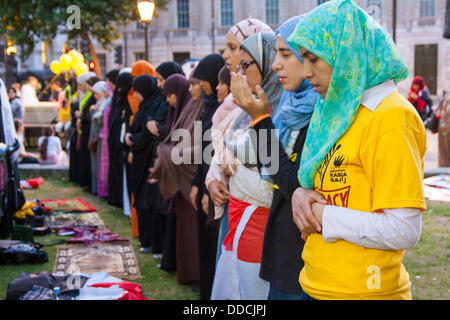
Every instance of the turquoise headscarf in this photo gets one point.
(362, 55)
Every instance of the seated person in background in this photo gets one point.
(16, 103)
(64, 119)
(50, 150)
(24, 156)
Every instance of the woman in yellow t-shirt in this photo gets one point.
(361, 169)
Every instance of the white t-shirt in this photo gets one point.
(29, 95)
(53, 146)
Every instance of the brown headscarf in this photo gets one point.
(172, 177)
(139, 68)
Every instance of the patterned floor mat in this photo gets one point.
(60, 220)
(117, 259)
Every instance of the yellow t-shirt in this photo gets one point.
(64, 114)
(377, 164)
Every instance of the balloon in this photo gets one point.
(55, 66)
(66, 61)
(73, 52)
(81, 68)
(77, 58)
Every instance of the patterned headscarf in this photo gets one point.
(362, 55)
(261, 47)
(244, 29)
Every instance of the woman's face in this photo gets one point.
(206, 86)
(138, 96)
(82, 87)
(97, 96)
(195, 90)
(111, 84)
(222, 91)
(288, 67)
(251, 70)
(160, 80)
(231, 53)
(317, 71)
(172, 100)
(11, 94)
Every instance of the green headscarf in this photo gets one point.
(362, 55)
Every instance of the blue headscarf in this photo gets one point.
(296, 107)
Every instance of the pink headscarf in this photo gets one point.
(248, 27)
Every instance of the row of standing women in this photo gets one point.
(323, 208)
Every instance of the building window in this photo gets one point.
(226, 12)
(139, 56)
(374, 9)
(427, 12)
(426, 64)
(181, 57)
(139, 26)
(102, 62)
(319, 2)
(183, 13)
(272, 11)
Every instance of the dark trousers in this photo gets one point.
(207, 242)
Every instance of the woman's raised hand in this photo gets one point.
(244, 98)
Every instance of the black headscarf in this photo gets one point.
(169, 68)
(123, 86)
(112, 75)
(208, 70)
(146, 85)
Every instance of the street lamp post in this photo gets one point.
(146, 9)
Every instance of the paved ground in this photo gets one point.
(431, 156)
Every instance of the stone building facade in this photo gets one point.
(185, 30)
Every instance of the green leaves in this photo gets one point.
(27, 22)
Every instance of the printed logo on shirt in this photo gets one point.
(326, 162)
(336, 162)
(337, 197)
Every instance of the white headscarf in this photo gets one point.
(100, 88)
(126, 69)
(83, 78)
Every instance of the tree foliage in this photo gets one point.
(27, 22)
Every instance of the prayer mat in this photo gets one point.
(116, 259)
(66, 205)
(60, 220)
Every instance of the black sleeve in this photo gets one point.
(286, 175)
(196, 181)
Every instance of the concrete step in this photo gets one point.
(29, 171)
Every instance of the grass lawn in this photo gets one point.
(156, 283)
(427, 263)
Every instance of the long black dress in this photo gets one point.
(84, 163)
(73, 154)
(119, 115)
(207, 70)
(144, 154)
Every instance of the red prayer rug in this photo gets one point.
(66, 205)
